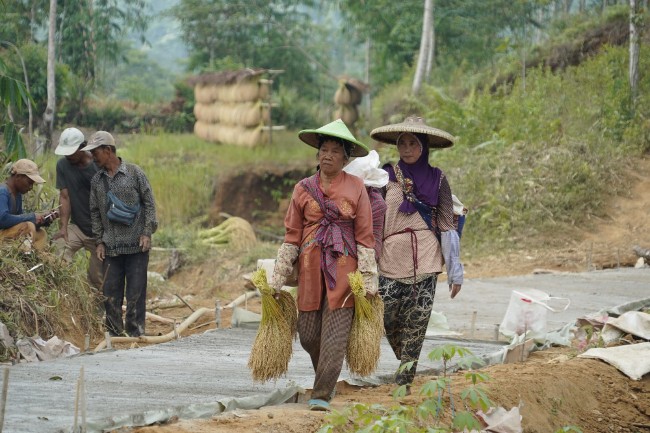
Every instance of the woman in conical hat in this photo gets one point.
(419, 237)
(329, 233)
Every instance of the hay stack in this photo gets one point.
(248, 114)
(347, 113)
(347, 97)
(231, 107)
(367, 329)
(273, 346)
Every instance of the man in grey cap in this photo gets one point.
(14, 223)
(73, 175)
(123, 242)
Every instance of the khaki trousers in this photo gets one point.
(76, 241)
(38, 237)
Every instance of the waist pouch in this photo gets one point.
(119, 212)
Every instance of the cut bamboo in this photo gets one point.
(159, 338)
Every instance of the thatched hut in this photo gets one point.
(233, 106)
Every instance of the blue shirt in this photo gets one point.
(10, 216)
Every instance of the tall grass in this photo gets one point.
(538, 160)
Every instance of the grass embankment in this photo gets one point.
(42, 296)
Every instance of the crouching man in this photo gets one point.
(14, 224)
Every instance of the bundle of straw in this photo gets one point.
(273, 346)
(367, 329)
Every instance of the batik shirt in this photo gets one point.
(131, 186)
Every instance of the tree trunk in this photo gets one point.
(581, 6)
(634, 50)
(48, 116)
(424, 46)
(567, 6)
(432, 44)
(367, 78)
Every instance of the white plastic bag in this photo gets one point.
(526, 313)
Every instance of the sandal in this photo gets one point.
(318, 404)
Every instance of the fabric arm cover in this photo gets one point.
(367, 265)
(287, 255)
(451, 253)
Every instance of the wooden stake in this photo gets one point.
(217, 313)
(471, 332)
(82, 388)
(75, 424)
(86, 343)
(107, 337)
(3, 401)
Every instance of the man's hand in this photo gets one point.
(40, 218)
(62, 233)
(145, 243)
(100, 252)
(454, 289)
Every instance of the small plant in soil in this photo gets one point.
(440, 409)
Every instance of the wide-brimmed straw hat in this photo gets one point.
(436, 138)
(336, 129)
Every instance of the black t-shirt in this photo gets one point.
(77, 181)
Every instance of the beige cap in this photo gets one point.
(28, 168)
(100, 138)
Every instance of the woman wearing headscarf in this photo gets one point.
(419, 238)
(329, 234)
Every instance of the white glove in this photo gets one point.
(367, 265)
(287, 255)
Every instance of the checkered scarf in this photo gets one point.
(335, 235)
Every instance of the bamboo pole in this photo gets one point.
(3, 400)
(159, 338)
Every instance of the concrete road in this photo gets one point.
(205, 374)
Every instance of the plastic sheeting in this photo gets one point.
(205, 410)
(438, 325)
(34, 349)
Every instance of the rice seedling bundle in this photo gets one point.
(272, 348)
(367, 329)
(235, 232)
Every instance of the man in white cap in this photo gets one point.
(73, 175)
(123, 214)
(14, 224)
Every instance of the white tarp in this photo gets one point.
(34, 349)
(636, 323)
(633, 360)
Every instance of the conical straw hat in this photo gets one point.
(436, 138)
(334, 129)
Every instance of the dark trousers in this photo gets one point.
(406, 316)
(126, 271)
